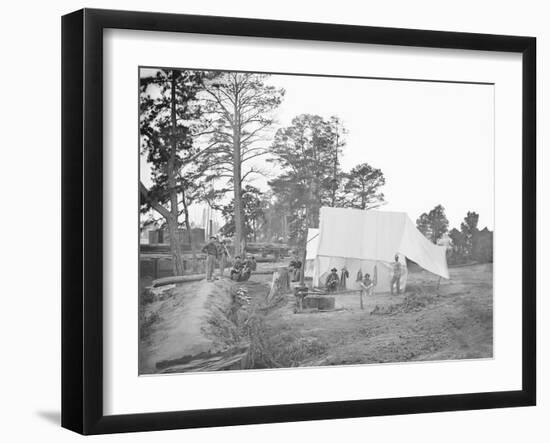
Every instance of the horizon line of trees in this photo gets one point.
(466, 244)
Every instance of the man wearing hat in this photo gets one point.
(236, 270)
(367, 284)
(211, 251)
(397, 270)
(332, 280)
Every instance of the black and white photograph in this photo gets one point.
(290, 220)
(243, 221)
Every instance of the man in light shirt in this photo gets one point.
(397, 269)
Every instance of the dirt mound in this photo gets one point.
(201, 326)
(181, 327)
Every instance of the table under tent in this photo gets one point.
(367, 242)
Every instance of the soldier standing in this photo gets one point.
(211, 251)
(396, 275)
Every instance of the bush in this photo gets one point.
(146, 323)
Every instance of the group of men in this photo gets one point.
(242, 269)
(334, 282)
(216, 252)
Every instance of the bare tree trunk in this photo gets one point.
(315, 202)
(335, 172)
(239, 219)
(280, 285)
(304, 254)
(172, 224)
(172, 221)
(303, 268)
(175, 247)
(189, 233)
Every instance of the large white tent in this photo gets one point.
(368, 241)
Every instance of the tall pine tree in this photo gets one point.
(240, 107)
(168, 115)
(362, 187)
(433, 224)
(308, 154)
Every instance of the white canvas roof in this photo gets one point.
(374, 235)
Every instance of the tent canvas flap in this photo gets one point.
(419, 249)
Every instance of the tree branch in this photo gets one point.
(153, 201)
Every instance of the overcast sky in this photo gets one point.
(434, 142)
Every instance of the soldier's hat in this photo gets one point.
(334, 270)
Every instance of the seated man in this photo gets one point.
(292, 263)
(244, 275)
(332, 280)
(295, 267)
(367, 285)
(236, 269)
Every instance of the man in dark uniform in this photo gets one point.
(211, 251)
(332, 280)
(294, 268)
(237, 267)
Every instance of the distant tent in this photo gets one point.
(368, 241)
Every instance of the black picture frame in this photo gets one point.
(82, 220)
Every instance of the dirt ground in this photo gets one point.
(429, 322)
(454, 321)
